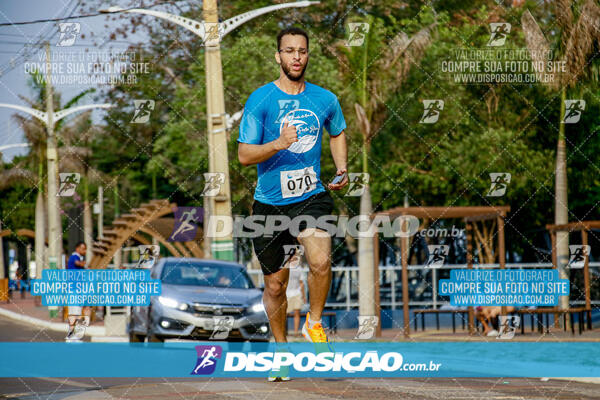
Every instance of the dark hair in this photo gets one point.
(79, 244)
(292, 30)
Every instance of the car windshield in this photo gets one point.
(202, 274)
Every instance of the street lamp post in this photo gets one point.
(211, 32)
(221, 249)
(49, 118)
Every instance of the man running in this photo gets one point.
(281, 132)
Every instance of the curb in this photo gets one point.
(109, 339)
(54, 326)
(595, 380)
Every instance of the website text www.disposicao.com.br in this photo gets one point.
(324, 362)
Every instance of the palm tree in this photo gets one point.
(22, 172)
(375, 71)
(75, 156)
(35, 133)
(576, 46)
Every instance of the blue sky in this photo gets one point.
(14, 39)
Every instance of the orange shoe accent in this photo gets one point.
(316, 334)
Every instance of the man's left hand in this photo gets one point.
(343, 183)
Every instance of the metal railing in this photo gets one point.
(388, 275)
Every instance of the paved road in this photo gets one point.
(260, 389)
(300, 389)
(14, 331)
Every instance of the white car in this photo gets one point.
(201, 299)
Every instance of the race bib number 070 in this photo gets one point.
(296, 182)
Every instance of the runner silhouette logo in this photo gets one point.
(68, 33)
(68, 183)
(577, 255)
(499, 33)
(437, 255)
(207, 359)
(500, 181)
(357, 31)
(573, 110)
(285, 107)
(186, 224)
(431, 111)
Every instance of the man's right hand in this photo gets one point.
(287, 137)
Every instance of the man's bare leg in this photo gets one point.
(275, 302)
(72, 319)
(482, 318)
(296, 321)
(86, 315)
(317, 249)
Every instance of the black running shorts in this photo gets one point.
(269, 248)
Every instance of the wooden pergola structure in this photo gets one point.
(148, 220)
(24, 232)
(584, 227)
(28, 233)
(470, 215)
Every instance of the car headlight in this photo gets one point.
(168, 302)
(172, 303)
(257, 307)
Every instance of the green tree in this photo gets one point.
(576, 48)
(29, 171)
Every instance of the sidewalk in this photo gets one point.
(299, 388)
(25, 310)
(446, 335)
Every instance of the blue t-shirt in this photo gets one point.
(74, 257)
(294, 174)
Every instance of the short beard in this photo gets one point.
(287, 72)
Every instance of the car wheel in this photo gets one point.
(136, 338)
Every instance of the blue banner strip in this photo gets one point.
(182, 359)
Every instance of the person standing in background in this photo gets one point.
(77, 259)
(296, 296)
(79, 317)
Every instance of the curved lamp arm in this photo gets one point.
(31, 111)
(58, 115)
(12, 146)
(238, 20)
(63, 113)
(196, 27)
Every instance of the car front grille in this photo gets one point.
(214, 309)
(204, 333)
